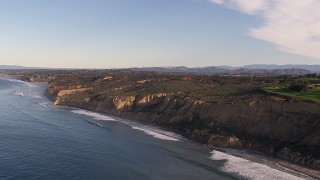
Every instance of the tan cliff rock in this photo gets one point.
(122, 103)
(69, 91)
(283, 129)
(149, 98)
(73, 91)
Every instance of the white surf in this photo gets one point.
(153, 131)
(249, 169)
(96, 116)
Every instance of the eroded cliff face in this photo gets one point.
(287, 130)
(69, 91)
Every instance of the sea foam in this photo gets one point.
(19, 93)
(29, 84)
(153, 131)
(250, 169)
(96, 116)
(155, 134)
(34, 96)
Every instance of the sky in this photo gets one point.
(144, 33)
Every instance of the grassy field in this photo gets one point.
(311, 95)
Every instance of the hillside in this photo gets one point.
(220, 110)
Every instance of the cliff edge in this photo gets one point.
(284, 129)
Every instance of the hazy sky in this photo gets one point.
(136, 33)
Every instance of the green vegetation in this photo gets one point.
(299, 88)
(215, 89)
(109, 83)
(208, 88)
(310, 95)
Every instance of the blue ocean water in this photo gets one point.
(41, 141)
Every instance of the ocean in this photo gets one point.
(42, 141)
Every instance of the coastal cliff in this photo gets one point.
(284, 129)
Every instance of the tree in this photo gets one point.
(298, 86)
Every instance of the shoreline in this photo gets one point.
(306, 171)
(295, 168)
(274, 163)
(172, 136)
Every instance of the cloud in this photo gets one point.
(292, 25)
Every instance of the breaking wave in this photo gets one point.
(44, 104)
(153, 131)
(155, 134)
(96, 116)
(34, 96)
(19, 93)
(94, 123)
(250, 169)
(29, 84)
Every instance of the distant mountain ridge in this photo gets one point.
(289, 69)
(18, 67)
(183, 69)
(225, 70)
(292, 71)
(315, 68)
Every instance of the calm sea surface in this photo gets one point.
(40, 141)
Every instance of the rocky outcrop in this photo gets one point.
(147, 99)
(123, 103)
(70, 90)
(287, 130)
